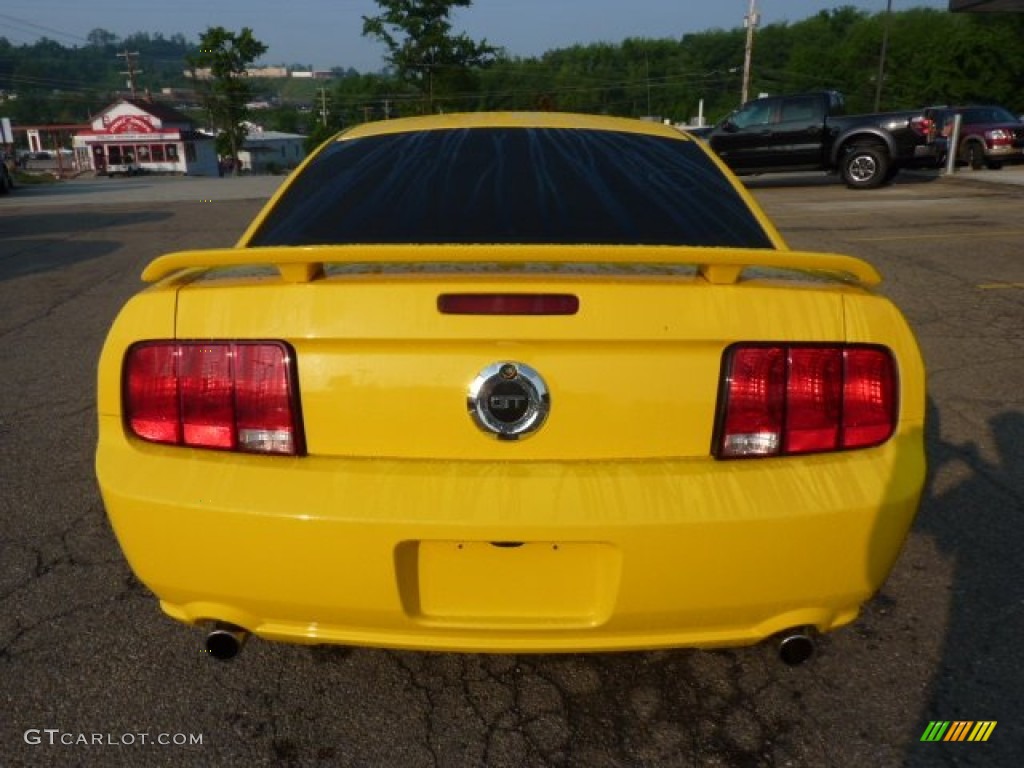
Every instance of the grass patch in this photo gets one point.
(22, 179)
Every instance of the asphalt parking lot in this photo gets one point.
(101, 190)
(91, 674)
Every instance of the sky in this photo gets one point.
(328, 33)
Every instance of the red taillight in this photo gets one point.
(869, 397)
(153, 407)
(238, 396)
(755, 397)
(922, 126)
(805, 398)
(508, 304)
(814, 399)
(207, 395)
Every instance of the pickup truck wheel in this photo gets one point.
(865, 167)
(974, 155)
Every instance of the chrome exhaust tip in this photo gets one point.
(796, 646)
(225, 641)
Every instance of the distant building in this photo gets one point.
(271, 72)
(271, 151)
(179, 96)
(313, 74)
(205, 73)
(140, 135)
(42, 138)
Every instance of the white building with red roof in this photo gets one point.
(138, 135)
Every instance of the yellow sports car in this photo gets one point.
(510, 383)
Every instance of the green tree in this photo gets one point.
(933, 57)
(227, 56)
(424, 51)
(285, 119)
(102, 38)
(317, 136)
(360, 98)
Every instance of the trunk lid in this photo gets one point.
(634, 373)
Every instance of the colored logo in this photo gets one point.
(958, 730)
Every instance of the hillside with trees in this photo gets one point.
(932, 57)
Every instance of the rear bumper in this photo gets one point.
(926, 155)
(1005, 152)
(513, 557)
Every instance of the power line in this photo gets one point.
(35, 28)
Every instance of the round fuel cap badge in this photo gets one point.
(508, 400)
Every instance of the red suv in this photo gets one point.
(989, 135)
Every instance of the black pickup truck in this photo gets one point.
(809, 131)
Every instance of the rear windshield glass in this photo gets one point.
(518, 185)
(988, 115)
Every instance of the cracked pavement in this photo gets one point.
(85, 651)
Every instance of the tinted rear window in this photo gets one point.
(988, 115)
(516, 185)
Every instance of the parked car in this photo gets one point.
(989, 135)
(511, 382)
(812, 132)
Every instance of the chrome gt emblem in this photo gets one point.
(508, 400)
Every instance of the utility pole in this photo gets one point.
(429, 68)
(750, 22)
(323, 107)
(647, 65)
(881, 55)
(132, 71)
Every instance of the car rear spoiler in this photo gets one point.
(721, 266)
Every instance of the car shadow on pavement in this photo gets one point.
(19, 225)
(32, 243)
(974, 509)
(789, 180)
(45, 255)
